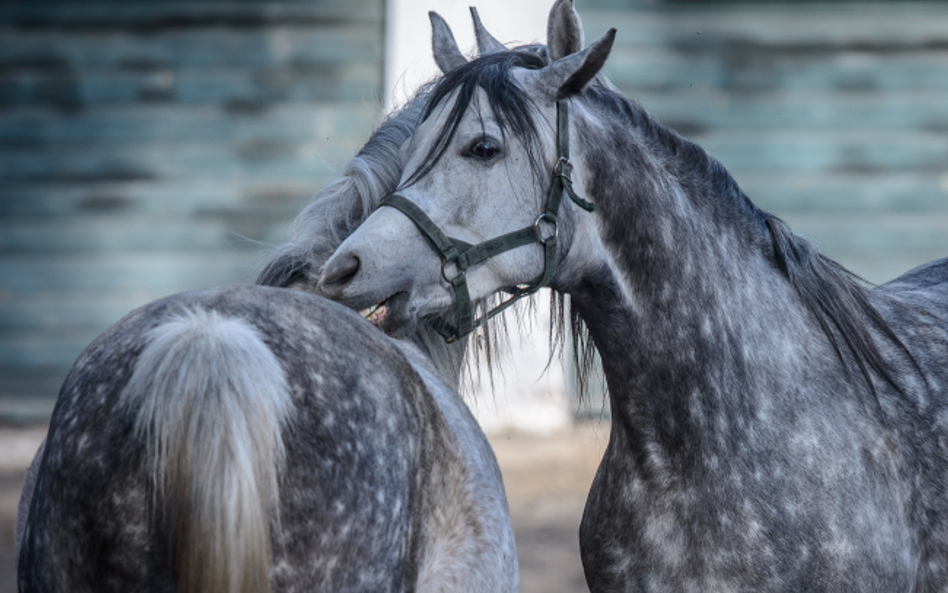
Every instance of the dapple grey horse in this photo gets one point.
(251, 439)
(776, 424)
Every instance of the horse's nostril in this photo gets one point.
(339, 272)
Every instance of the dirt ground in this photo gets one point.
(547, 479)
(17, 447)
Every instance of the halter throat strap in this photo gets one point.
(457, 256)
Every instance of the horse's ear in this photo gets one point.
(486, 43)
(569, 75)
(564, 31)
(447, 54)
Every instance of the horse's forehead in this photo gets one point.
(524, 78)
(477, 113)
(478, 109)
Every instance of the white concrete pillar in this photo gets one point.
(408, 61)
(529, 393)
(523, 396)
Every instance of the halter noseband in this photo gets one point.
(464, 255)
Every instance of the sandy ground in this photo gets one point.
(17, 447)
(547, 480)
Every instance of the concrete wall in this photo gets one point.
(408, 61)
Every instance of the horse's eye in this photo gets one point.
(484, 149)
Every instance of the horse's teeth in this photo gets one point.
(373, 314)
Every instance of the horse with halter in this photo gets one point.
(776, 424)
(256, 438)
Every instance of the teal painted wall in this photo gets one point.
(153, 147)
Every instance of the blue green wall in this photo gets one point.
(152, 147)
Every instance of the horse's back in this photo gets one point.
(353, 456)
(932, 276)
(916, 307)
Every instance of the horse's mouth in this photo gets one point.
(375, 314)
(390, 315)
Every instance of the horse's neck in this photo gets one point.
(687, 309)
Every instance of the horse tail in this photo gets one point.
(210, 399)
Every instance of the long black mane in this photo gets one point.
(839, 300)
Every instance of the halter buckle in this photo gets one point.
(564, 168)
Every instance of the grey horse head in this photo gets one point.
(481, 129)
(346, 202)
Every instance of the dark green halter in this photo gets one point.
(463, 255)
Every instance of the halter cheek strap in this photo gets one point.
(462, 256)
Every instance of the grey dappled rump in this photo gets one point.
(273, 436)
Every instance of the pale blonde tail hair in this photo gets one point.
(211, 400)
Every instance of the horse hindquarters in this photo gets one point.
(173, 429)
(469, 537)
(179, 462)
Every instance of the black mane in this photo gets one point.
(839, 301)
(837, 298)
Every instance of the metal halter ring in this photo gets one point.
(445, 275)
(550, 219)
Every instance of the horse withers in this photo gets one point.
(776, 424)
